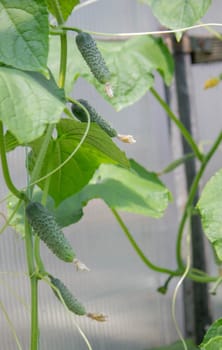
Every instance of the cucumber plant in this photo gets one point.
(35, 85)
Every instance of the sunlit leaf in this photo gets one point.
(28, 102)
(210, 207)
(65, 7)
(178, 13)
(125, 190)
(24, 34)
(98, 148)
(213, 332)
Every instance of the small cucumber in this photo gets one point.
(71, 302)
(45, 226)
(94, 117)
(91, 54)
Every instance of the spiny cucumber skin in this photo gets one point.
(45, 226)
(91, 54)
(71, 302)
(94, 117)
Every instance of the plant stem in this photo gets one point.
(139, 251)
(201, 279)
(63, 59)
(178, 123)
(33, 285)
(193, 274)
(35, 174)
(5, 168)
(34, 312)
(191, 196)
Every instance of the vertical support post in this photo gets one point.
(196, 298)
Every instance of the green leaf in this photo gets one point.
(24, 34)
(210, 207)
(10, 141)
(214, 331)
(130, 81)
(28, 102)
(178, 346)
(65, 7)
(213, 344)
(125, 190)
(73, 176)
(178, 13)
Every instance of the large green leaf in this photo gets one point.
(210, 207)
(213, 344)
(215, 330)
(131, 63)
(74, 175)
(65, 7)
(24, 34)
(178, 13)
(125, 190)
(28, 102)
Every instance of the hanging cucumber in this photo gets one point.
(70, 301)
(91, 54)
(94, 117)
(94, 59)
(45, 226)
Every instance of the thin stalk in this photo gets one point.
(153, 32)
(180, 125)
(193, 274)
(5, 168)
(34, 313)
(191, 196)
(139, 251)
(63, 59)
(33, 285)
(176, 290)
(201, 279)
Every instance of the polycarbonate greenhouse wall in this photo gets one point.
(119, 284)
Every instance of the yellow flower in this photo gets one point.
(209, 83)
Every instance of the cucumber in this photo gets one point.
(91, 54)
(45, 226)
(94, 117)
(71, 302)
